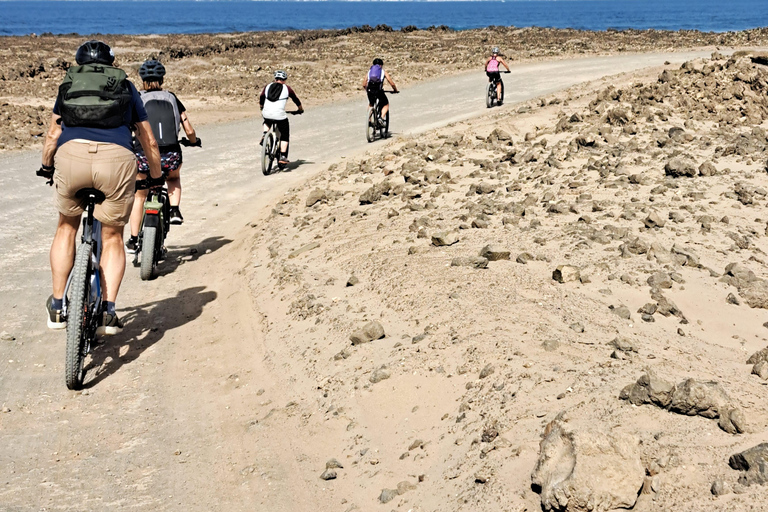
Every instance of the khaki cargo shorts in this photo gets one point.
(110, 168)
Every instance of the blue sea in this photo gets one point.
(182, 16)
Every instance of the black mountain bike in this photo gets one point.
(376, 124)
(270, 147)
(154, 228)
(491, 94)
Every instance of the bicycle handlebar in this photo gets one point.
(185, 142)
(295, 112)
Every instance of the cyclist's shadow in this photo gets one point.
(186, 253)
(145, 325)
(294, 164)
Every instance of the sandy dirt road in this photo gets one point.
(171, 418)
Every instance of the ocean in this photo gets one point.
(182, 16)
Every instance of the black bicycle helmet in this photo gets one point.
(94, 52)
(378, 62)
(152, 71)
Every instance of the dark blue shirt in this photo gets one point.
(120, 135)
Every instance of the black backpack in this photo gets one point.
(94, 96)
(164, 117)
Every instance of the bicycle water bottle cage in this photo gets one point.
(88, 195)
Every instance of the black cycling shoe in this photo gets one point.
(131, 245)
(110, 325)
(176, 218)
(56, 319)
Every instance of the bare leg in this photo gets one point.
(112, 260)
(138, 211)
(384, 111)
(498, 90)
(63, 253)
(173, 180)
(283, 149)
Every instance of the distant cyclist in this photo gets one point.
(374, 86)
(166, 113)
(492, 69)
(272, 102)
(89, 139)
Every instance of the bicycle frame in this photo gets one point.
(91, 235)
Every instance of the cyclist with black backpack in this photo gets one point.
(88, 145)
(374, 86)
(272, 102)
(166, 114)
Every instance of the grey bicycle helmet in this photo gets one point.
(495, 49)
(94, 52)
(281, 75)
(152, 71)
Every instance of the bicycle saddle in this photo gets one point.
(95, 195)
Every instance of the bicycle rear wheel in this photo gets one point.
(268, 153)
(489, 95)
(148, 249)
(78, 323)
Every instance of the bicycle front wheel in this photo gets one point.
(267, 153)
(78, 322)
(148, 248)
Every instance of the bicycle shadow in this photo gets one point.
(294, 164)
(178, 254)
(145, 325)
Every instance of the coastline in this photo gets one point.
(219, 76)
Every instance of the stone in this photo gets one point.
(469, 261)
(316, 196)
(681, 167)
(303, 249)
(376, 192)
(577, 327)
(333, 464)
(405, 486)
(654, 220)
(566, 274)
(494, 253)
(379, 374)
(445, 238)
(487, 371)
(732, 420)
(550, 345)
(621, 311)
(753, 463)
(719, 488)
(580, 470)
(371, 331)
(623, 344)
(387, 495)
(649, 389)
(760, 369)
(353, 280)
(525, 257)
(660, 280)
(328, 474)
(732, 299)
(707, 168)
(705, 398)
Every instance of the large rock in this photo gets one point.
(316, 196)
(753, 463)
(681, 167)
(566, 273)
(370, 331)
(587, 470)
(494, 253)
(469, 261)
(692, 397)
(445, 238)
(648, 389)
(376, 192)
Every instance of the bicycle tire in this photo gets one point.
(148, 249)
(267, 156)
(370, 131)
(79, 319)
(384, 130)
(501, 99)
(489, 95)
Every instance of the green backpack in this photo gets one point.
(94, 96)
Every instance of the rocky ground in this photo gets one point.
(219, 76)
(559, 306)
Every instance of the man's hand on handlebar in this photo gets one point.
(46, 171)
(185, 142)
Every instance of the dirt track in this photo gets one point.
(192, 408)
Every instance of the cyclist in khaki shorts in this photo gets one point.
(89, 145)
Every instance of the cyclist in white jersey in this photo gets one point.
(272, 102)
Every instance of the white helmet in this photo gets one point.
(495, 49)
(281, 75)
